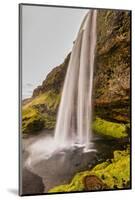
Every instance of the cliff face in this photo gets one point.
(112, 65)
(111, 93)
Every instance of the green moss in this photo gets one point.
(40, 112)
(115, 174)
(50, 99)
(49, 121)
(111, 129)
(32, 121)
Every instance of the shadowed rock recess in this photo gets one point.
(111, 102)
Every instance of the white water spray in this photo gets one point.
(75, 111)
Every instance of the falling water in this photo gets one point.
(74, 118)
(75, 111)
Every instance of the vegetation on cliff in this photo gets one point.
(40, 112)
(110, 129)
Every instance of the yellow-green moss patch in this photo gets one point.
(50, 99)
(32, 121)
(40, 112)
(107, 128)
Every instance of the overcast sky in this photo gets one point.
(47, 37)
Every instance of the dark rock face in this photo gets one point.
(112, 66)
(112, 62)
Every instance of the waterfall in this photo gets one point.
(75, 111)
(74, 118)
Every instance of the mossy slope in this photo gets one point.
(114, 173)
(40, 112)
(111, 129)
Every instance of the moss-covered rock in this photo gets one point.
(114, 174)
(110, 129)
(32, 121)
(40, 112)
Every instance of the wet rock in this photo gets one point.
(92, 182)
(31, 183)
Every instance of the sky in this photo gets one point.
(47, 37)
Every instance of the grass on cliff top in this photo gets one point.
(50, 99)
(110, 129)
(115, 174)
